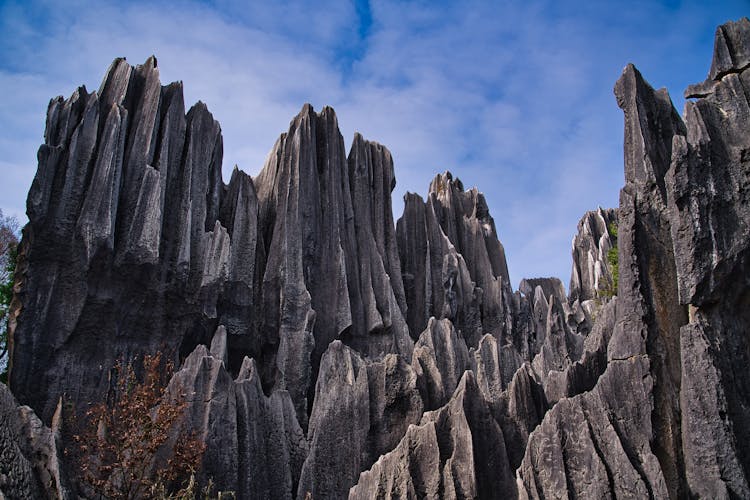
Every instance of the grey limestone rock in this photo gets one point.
(676, 348)
(439, 360)
(351, 356)
(453, 263)
(639, 364)
(582, 375)
(328, 232)
(209, 391)
(31, 460)
(339, 425)
(457, 451)
(591, 276)
(710, 209)
(362, 410)
(254, 443)
(395, 403)
(17, 478)
(271, 444)
(113, 257)
(410, 471)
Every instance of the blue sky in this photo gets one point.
(514, 97)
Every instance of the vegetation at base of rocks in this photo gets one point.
(133, 446)
(8, 250)
(191, 492)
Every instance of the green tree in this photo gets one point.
(8, 251)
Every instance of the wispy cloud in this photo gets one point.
(514, 97)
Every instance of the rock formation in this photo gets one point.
(326, 351)
(679, 348)
(591, 276)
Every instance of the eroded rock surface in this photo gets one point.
(677, 351)
(324, 350)
(591, 276)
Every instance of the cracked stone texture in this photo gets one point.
(325, 349)
(681, 309)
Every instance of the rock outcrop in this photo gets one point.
(678, 349)
(592, 273)
(454, 265)
(31, 460)
(326, 352)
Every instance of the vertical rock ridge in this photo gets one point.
(453, 262)
(117, 213)
(591, 275)
(709, 208)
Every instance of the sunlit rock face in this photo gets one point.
(325, 350)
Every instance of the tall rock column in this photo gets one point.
(709, 195)
(122, 254)
(627, 428)
(332, 270)
(453, 263)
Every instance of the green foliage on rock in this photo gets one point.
(614, 268)
(612, 230)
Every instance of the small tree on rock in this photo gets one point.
(127, 449)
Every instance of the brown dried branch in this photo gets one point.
(119, 443)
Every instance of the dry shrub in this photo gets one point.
(127, 447)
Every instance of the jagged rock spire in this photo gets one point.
(453, 263)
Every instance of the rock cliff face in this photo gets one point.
(325, 351)
(679, 348)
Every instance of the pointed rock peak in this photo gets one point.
(239, 175)
(57, 418)
(360, 139)
(116, 63)
(468, 382)
(115, 82)
(219, 344)
(632, 88)
(340, 362)
(731, 49)
(626, 85)
(172, 95)
(200, 109)
(549, 287)
(248, 370)
(410, 198)
(306, 114)
(357, 142)
(336, 348)
(488, 341)
(307, 110)
(328, 113)
(442, 182)
(650, 123)
(195, 357)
